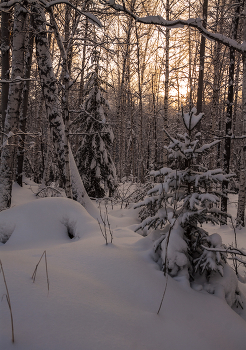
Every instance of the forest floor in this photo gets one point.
(101, 296)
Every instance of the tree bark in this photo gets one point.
(166, 89)
(240, 221)
(5, 45)
(81, 87)
(201, 66)
(23, 114)
(13, 108)
(50, 93)
(230, 98)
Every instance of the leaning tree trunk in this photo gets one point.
(50, 93)
(13, 108)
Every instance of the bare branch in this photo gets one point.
(196, 23)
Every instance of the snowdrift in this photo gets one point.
(100, 297)
(45, 221)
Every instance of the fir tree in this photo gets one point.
(186, 197)
(94, 161)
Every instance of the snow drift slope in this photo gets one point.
(45, 221)
(101, 297)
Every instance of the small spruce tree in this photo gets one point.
(95, 163)
(175, 209)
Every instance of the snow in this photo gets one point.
(101, 296)
(161, 21)
(191, 119)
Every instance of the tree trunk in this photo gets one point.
(242, 182)
(50, 93)
(228, 131)
(81, 87)
(5, 44)
(13, 108)
(166, 91)
(240, 221)
(23, 114)
(140, 142)
(201, 66)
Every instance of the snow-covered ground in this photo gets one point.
(101, 296)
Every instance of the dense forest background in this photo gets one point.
(78, 73)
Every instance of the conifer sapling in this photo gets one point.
(186, 197)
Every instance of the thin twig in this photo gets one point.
(8, 301)
(104, 224)
(165, 289)
(168, 239)
(229, 250)
(111, 233)
(46, 268)
(105, 236)
(234, 256)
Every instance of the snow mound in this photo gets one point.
(47, 220)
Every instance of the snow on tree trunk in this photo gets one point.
(79, 192)
(68, 169)
(167, 78)
(227, 151)
(13, 108)
(242, 190)
(24, 106)
(50, 92)
(5, 46)
(201, 68)
(242, 183)
(64, 103)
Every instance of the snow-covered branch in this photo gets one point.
(8, 4)
(232, 137)
(16, 80)
(88, 134)
(47, 5)
(89, 15)
(196, 23)
(229, 250)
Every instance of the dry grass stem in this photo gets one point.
(163, 296)
(111, 233)
(103, 233)
(106, 225)
(46, 269)
(8, 301)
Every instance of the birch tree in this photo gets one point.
(242, 184)
(29, 42)
(5, 48)
(50, 93)
(230, 100)
(13, 108)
